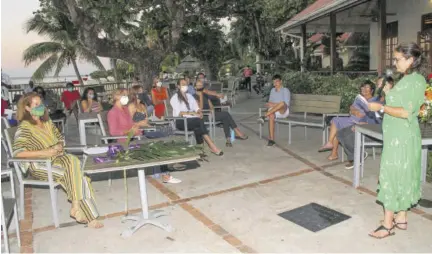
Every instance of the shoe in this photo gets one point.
(172, 179)
(242, 138)
(261, 120)
(382, 228)
(228, 144)
(349, 165)
(218, 154)
(271, 143)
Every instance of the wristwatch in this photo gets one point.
(382, 110)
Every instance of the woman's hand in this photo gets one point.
(374, 106)
(220, 95)
(58, 147)
(386, 89)
(50, 152)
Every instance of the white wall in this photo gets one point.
(408, 15)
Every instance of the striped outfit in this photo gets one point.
(66, 168)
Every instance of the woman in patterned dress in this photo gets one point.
(399, 180)
(37, 137)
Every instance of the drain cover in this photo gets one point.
(314, 217)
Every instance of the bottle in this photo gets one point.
(232, 135)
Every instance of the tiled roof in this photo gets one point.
(318, 4)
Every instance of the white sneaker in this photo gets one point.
(172, 179)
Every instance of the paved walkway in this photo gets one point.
(231, 204)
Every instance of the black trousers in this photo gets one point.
(248, 83)
(227, 122)
(196, 125)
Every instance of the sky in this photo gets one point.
(14, 40)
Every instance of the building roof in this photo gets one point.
(318, 9)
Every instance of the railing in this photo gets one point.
(53, 89)
(350, 74)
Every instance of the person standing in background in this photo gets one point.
(70, 95)
(400, 168)
(247, 74)
(30, 87)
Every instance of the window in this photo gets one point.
(391, 41)
(425, 39)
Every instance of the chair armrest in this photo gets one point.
(15, 159)
(261, 110)
(222, 107)
(75, 148)
(148, 129)
(175, 118)
(337, 114)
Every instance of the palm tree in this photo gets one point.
(63, 49)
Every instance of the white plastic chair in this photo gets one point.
(9, 209)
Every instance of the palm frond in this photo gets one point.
(41, 51)
(61, 62)
(90, 57)
(45, 68)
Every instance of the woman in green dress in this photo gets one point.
(399, 179)
(37, 137)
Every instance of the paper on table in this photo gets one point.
(363, 99)
(95, 150)
(224, 99)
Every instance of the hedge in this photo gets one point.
(339, 84)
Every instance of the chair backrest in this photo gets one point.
(317, 104)
(5, 122)
(103, 123)
(10, 137)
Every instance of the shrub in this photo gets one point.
(339, 84)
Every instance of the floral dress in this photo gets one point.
(399, 180)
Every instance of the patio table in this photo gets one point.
(83, 119)
(90, 167)
(375, 131)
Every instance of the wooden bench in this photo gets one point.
(317, 106)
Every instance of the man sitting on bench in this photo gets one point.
(278, 106)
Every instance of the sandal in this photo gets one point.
(77, 215)
(397, 224)
(325, 149)
(220, 153)
(382, 228)
(332, 158)
(242, 138)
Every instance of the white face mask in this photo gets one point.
(90, 96)
(184, 89)
(124, 100)
(159, 84)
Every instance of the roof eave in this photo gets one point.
(340, 4)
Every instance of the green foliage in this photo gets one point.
(63, 49)
(309, 83)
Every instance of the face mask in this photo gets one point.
(184, 89)
(90, 96)
(38, 111)
(124, 100)
(159, 84)
(70, 89)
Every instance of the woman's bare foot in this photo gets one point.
(400, 221)
(332, 158)
(78, 215)
(95, 224)
(325, 148)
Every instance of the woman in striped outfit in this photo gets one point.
(37, 137)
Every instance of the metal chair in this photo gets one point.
(9, 211)
(24, 180)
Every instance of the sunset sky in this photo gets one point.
(14, 40)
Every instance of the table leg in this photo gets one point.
(82, 134)
(424, 159)
(147, 217)
(357, 159)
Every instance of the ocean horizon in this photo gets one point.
(51, 79)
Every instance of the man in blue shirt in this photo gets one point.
(278, 106)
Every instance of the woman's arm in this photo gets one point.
(84, 106)
(213, 93)
(211, 104)
(132, 109)
(396, 111)
(201, 99)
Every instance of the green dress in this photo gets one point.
(399, 180)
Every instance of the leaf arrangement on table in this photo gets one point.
(426, 109)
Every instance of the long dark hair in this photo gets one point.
(180, 96)
(412, 50)
(85, 94)
(42, 93)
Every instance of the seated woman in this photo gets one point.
(159, 96)
(185, 105)
(119, 118)
(37, 138)
(139, 115)
(358, 113)
(50, 103)
(89, 101)
(137, 109)
(220, 116)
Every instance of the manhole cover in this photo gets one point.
(314, 217)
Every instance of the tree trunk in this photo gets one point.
(75, 66)
(113, 63)
(258, 58)
(146, 72)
